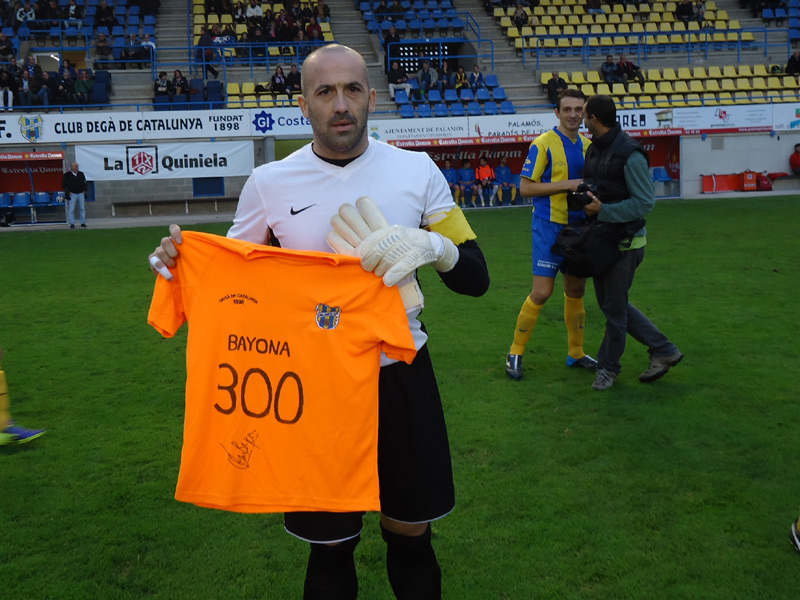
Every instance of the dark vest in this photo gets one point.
(604, 166)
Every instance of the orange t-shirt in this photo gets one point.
(482, 173)
(282, 361)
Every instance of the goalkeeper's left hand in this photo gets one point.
(396, 251)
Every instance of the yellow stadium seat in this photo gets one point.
(614, 19)
(568, 30)
(498, 14)
(603, 89)
(593, 77)
(788, 96)
(725, 98)
(282, 100)
(506, 22)
(654, 75)
(712, 85)
(226, 19)
(266, 102)
(696, 85)
(677, 100)
(512, 33)
(668, 74)
(199, 20)
(758, 97)
(617, 89)
(240, 28)
(745, 71)
(587, 89)
(650, 88)
(577, 78)
(681, 87)
(760, 71)
(709, 99)
(628, 102)
(727, 85)
(560, 20)
(759, 83)
(327, 37)
(693, 100)
(699, 73)
(789, 83)
(526, 31)
(645, 102)
(233, 89)
(212, 19)
(684, 73)
(234, 103)
(634, 88)
(665, 87)
(250, 102)
(743, 84)
(661, 101)
(248, 87)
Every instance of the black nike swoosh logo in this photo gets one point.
(292, 211)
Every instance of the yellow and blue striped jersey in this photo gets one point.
(554, 157)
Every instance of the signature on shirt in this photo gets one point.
(242, 451)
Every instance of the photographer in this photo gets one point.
(618, 169)
(554, 167)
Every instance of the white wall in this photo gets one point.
(724, 154)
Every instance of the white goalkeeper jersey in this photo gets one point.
(297, 196)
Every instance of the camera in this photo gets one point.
(579, 198)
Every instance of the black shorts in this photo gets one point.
(414, 466)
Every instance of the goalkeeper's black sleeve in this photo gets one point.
(470, 276)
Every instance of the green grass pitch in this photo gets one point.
(681, 489)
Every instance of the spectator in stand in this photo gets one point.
(794, 160)
(484, 175)
(451, 177)
(148, 48)
(65, 93)
(162, 85)
(426, 78)
(8, 89)
(322, 12)
(278, 82)
(391, 36)
(382, 12)
(24, 92)
(239, 13)
(554, 87)
(609, 70)
(206, 53)
(476, 79)
(504, 178)
(398, 79)
(520, 16)
(242, 49)
(629, 71)
(73, 14)
(180, 85)
(84, 88)
(104, 17)
(700, 11)
(793, 66)
(254, 10)
(447, 79)
(313, 26)
(132, 51)
(461, 80)
(54, 14)
(14, 69)
(24, 14)
(595, 7)
(396, 10)
(6, 47)
(33, 69)
(102, 47)
(293, 81)
(66, 65)
(685, 12)
(467, 183)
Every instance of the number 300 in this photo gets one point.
(231, 389)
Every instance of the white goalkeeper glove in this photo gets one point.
(395, 252)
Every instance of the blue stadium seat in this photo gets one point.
(161, 103)
(41, 199)
(440, 110)
(58, 199)
(180, 102)
(490, 108)
(507, 107)
(424, 111)
(660, 174)
(21, 200)
(401, 97)
(434, 96)
(5, 200)
(780, 16)
(457, 110)
(407, 111)
(450, 96)
(474, 109)
(491, 81)
(482, 95)
(467, 95)
(499, 94)
(767, 15)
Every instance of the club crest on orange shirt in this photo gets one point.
(328, 316)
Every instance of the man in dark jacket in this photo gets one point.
(618, 169)
(74, 184)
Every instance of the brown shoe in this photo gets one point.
(659, 365)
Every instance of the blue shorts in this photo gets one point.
(543, 236)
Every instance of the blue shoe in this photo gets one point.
(14, 434)
(514, 366)
(586, 362)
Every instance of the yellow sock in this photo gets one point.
(5, 411)
(513, 194)
(574, 318)
(526, 321)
